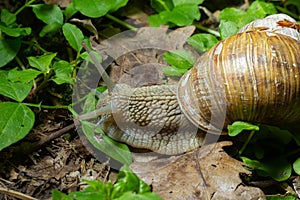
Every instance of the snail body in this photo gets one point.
(251, 76)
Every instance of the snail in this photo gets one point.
(252, 76)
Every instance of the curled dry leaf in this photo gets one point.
(198, 175)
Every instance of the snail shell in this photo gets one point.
(254, 74)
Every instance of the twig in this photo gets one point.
(6, 181)
(16, 194)
(121, 22)
(51, 137)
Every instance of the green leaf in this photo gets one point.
(7, 17)
(42, 63)
(284, 136)
(184, 14)
(73, 35)
(158, 19)
(127, 186)
(15, 90)
(101, 89)
(117, 151)
(8, 50)
(232, 14)
(181, 59)
(50, 29)
(228, 28)
(117, 4)
(232, 19)
(16, 120)
(278, 168)
(181, 15)
(254, 164)
(173, 71)
(57, 195)
(202, 41)
(238, 126)
(180, 2)
(260, 9)
(63, 71)
(145, 196)
(281, 197)
(161, 6)
(70, 11)
(296, 166)
(15, 32)
(95, 8)
(98, 8)
(86, 56)
(22, 76)
(49, 14)
(95, 190)
(130, 182)
(126, 182)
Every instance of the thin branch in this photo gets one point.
(121, 22)
(52, 136)
(16, 194)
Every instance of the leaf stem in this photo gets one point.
(45, 106)
(163, 5)
(74, 113)
(121, 22)
(35, 44)
(246, 142)
(203, 28)
(24, 6)
(20, 62)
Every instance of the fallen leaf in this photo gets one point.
(145, 38)
(61, 3)
(207, 173)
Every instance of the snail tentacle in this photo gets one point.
(101, 111)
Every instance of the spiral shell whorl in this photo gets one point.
(255, 76)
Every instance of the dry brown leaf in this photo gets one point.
(61, 3)
(194, 176)
(145, 38)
